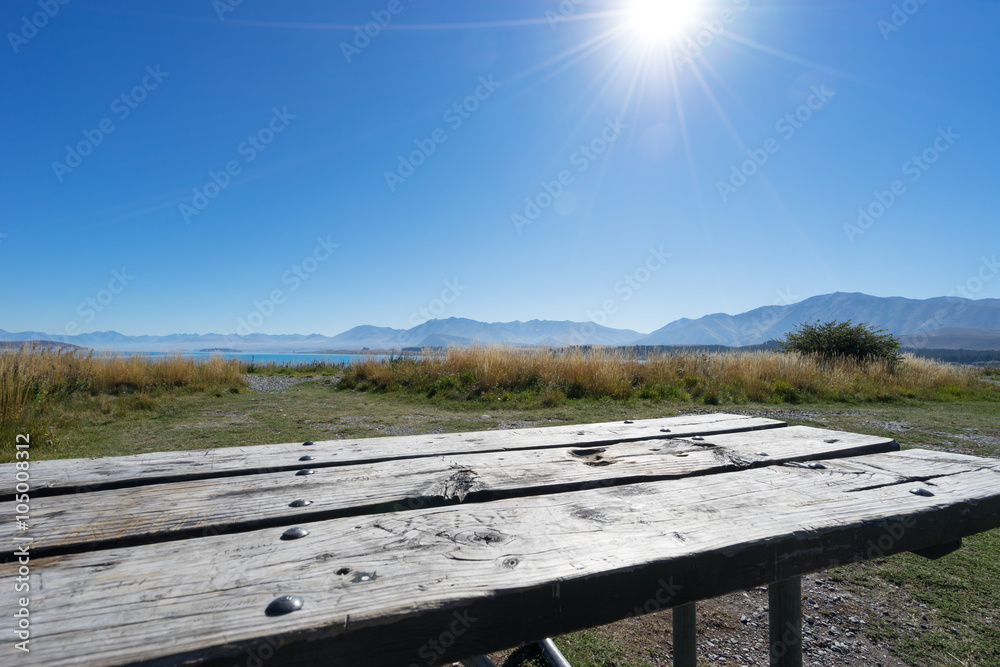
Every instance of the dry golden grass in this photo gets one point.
(712, 378)
(31, 378)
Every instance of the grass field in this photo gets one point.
(107, 408)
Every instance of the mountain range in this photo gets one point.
(943, 322)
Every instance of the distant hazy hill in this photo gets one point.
(48, 344)
(433, 333)
(112, 340)
(950, 323)
(954, 338)
(461, 331)
(897, 315)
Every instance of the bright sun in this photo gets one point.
(661, 21)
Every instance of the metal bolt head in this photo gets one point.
(307, 457)
(294, 533)
(300, 503)
(285, 604)
(306, 471)
(817, 466)
(307, 443)
(629, 421)
(664, 430)
(921, 492)
(761, 453)
(697, 437)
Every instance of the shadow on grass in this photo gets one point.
(526, 656)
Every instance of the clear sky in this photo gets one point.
(178, 166)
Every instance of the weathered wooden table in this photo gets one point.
(427, 549)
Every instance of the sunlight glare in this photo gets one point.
(662, 21)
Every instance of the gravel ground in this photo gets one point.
(272, 382)
(733, 630)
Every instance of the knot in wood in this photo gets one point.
(593, 456)
(458, 484)
(478, 538)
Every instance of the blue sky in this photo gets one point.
(517, 159)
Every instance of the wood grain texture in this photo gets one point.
(124, 517)
(435, 585)
(84, 475)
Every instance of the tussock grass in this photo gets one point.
(551, 376)
(34, 380)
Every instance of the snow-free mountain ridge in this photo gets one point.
(943, 322)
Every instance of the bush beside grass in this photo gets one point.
(843, 340)
(549, 376)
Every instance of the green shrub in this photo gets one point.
(552, 398)
(843, 340)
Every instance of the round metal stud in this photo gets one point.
(664, 430)
(307, 443)
(697, 437)
(300, 503)
(307, 457)
(629, 421)
(306, 471)
(761, 453)
(285, 604)
(817, 466)
(921, 492)
(294, 533)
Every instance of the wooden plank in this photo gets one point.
(784, 625)
(433, 586)
(685, 637)
(83, 475)
(147, 514)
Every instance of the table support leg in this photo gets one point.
(685, 639)
(785, 620)
(552, 654)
